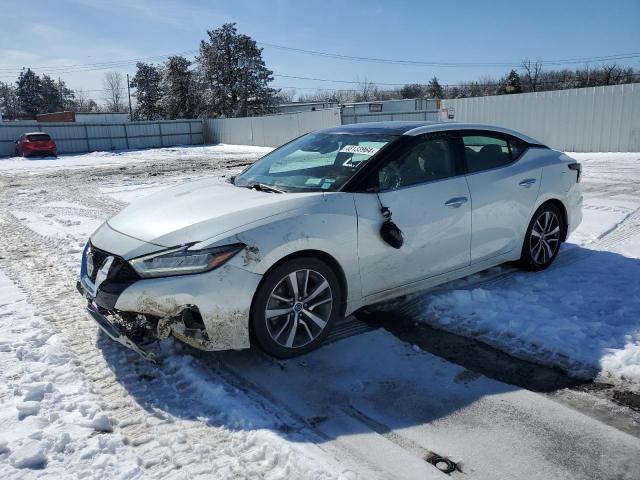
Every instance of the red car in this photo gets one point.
(36, 143)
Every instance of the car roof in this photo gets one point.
(391, 127)
(36, 133)
(421, 127)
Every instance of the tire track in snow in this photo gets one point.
(167, 446)
(139, 433)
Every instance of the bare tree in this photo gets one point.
(114, 86)
(532, 74)
(83, 103)
(611, 74)
(286, 95)
(366, 91)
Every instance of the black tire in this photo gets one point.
(278, 282)
(543, 238)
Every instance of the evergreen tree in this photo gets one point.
(178, 88)
(510, 84)
(67, 96)
(434, 90)
(414, 90)
(233, 74)
(50, 100)
(475, 90)
(147, 82)
(29, 89)
(9, 102)
(455, 92)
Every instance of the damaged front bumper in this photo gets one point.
(208, 311)
(116, 335)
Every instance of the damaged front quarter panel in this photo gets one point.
(251, 255)
(222, 298)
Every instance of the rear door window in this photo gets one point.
(484, 152)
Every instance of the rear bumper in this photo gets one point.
(40, 151)
(574, 208)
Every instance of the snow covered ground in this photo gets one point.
(119, 157)
(51, 421)
(371, 406)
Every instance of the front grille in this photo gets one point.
(97, 258)
(120, 271)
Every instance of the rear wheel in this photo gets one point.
(543, 238)
(295, 307)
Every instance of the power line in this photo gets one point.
(88, 67)
(443, 85)
(566, 61)
(333, 81)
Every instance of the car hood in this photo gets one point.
(197, 211)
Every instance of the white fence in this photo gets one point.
(88, 137)
(270, 130)
(598, 119)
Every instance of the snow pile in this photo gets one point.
(580, 315)
(49, 420)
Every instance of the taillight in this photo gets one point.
(577, 167)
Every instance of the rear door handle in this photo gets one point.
(527, 182)
(455, 202)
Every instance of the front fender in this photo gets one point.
(329, 226)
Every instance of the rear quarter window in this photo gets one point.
(517, 147)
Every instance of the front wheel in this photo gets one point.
(295, 307)
(543, 238)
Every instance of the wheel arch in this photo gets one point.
(313, 253)
(563, 211)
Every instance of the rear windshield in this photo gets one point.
(38, 136)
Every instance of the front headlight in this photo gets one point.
(181, 261)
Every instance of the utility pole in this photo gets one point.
(129, 93)
(60, 93)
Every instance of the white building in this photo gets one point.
(305, 106)
(107, 117)
(391, 106)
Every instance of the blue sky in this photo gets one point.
(72, 32)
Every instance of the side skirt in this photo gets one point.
(431, 282)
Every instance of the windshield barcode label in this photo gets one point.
(358, 149)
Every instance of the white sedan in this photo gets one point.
(322, 226)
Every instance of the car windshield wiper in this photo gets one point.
(263, 187)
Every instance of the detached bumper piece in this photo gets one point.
(114, 333)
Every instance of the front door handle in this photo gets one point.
(455, 202)
(527, 182)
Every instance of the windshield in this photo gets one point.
(317, 161)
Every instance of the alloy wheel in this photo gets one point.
(545, 237)
(298, 308)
